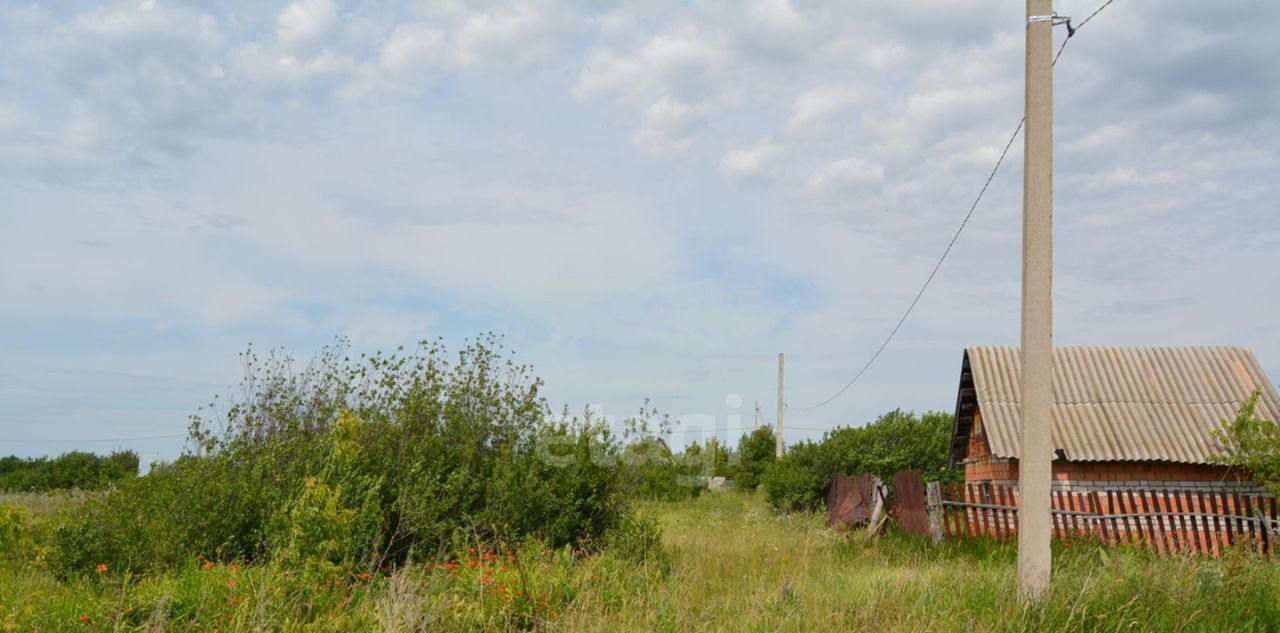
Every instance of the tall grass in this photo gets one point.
(734, 565)
(739, 567)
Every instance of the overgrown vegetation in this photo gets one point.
(733, 565)
(895, 441)
(755, 453)
(76, 469)
(648, 466)
(1252, 444)
(361, 464)
(423, 491)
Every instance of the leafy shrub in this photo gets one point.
(798, 481)
(76, 469)
(1252, 444)
(194, 506)
(361, 462)
(15, 533)
(649, 468)
(638, 539)
(896, 441)
(756, 450)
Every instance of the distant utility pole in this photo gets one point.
(777, 435)
(757, 414)
(1035, 465)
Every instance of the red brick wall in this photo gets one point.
(981, 466)
(997, 469)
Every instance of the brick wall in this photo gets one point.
(1086, 476)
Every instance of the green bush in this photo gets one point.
(1252, 444)
(76, 469)
(638, 539)
(361, 462)
(16, 541)
(756, 450)
(798, 481)
(651, 470)
(194, 506)
(895, 441)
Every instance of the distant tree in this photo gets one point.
(718, 458)
(895, 441)
(1253, 444)
(798, 481)
(76, 469)
(755, 453)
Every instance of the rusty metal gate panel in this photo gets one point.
(849, 500)
(909, 502)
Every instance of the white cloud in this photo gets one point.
(516, 38)
(667, 83)
(668, 124)
(676, 65)
(416, 46)
(305, 23)
(272, 69)
(755, 161)
(667, 183)
(846, 172)
(820, 103)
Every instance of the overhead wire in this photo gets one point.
(99, 440)
(1071, 31)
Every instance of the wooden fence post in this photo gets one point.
(1266, 534)
(933, 496)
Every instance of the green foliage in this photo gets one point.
(76, 469)
(733, 565)
(756, 451)
(16, 541)
(717, 458)
(896, 441)
(360, 463)
(194, 506)
(1252, 444)
(650, 470)
(798, 481)
(639, 540)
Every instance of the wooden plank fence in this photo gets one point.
(1170, 521)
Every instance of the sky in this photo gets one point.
(647, 200)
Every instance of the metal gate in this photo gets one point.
(849, 500)
(909, 503)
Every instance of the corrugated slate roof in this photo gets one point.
(1117, 403)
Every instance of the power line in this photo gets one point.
(747, 428)
(117, 439)
(1071, 31)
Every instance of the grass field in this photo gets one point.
(732, 566)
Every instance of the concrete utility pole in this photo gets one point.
(757, 425)
(777, 434)
(1035, 465)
